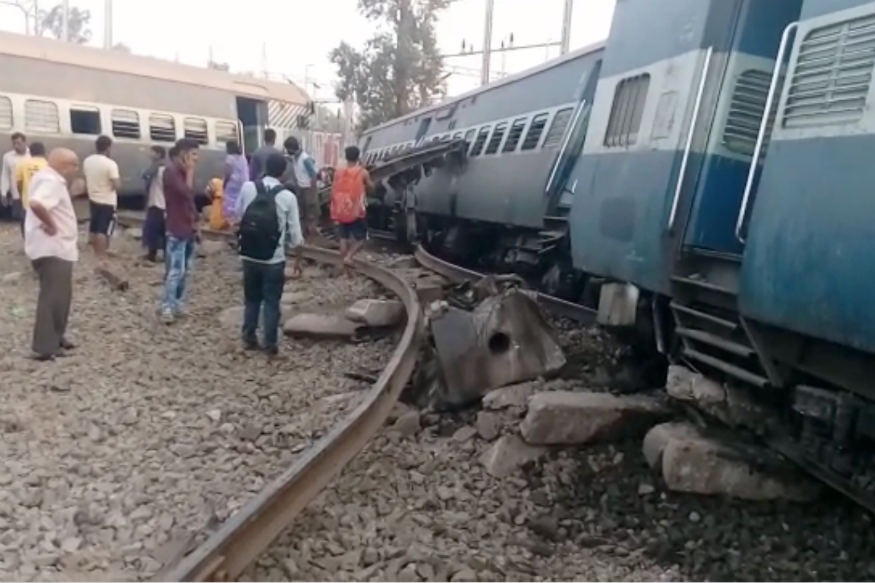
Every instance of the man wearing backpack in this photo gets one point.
(348, 205)
(268, 221)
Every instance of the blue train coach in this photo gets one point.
(724, 197)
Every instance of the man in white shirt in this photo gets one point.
(103, 181)
(10, 198)
(302, 171)
(50, 242)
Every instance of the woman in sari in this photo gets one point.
(236, 174)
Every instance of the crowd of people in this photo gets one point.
(270, 201)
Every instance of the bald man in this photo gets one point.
(50, 242)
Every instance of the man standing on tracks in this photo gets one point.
(10, 199)
(25, 172)
(103, 182)
(259, 157)
(305, 177)
(50, 242)
(155, 228)
(182, 220)
(269, 220)
(348, 197)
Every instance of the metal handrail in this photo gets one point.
(700, 94)
(764, 126)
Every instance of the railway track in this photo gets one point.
(551, 304)
(241, 539)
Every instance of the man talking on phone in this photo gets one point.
(182, 232)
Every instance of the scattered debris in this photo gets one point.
(508, 454)
(116, 281)
(691, 461)
(376, 313)
(565, 417)
(504, 340)
(321, 326)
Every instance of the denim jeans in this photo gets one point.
(179, 258)
(262, 286)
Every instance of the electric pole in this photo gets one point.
(487, 43)
(107, 24)
(566, 27)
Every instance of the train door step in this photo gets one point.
(730, 369)
(717, 342)
(691, 312)
(715, 337)
(702, 283)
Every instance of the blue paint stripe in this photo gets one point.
(809, 265)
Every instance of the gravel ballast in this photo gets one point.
(417, 505)
(147, 433)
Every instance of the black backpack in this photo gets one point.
(259, 233)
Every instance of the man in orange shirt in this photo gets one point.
(348, 205)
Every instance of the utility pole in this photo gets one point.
(566, 27)
(107, 24)
(487, 43)
(65, 21)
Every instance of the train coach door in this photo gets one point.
(559, 195)
(750, 92)
(252, 114)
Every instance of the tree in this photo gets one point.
(78, 23)
(397, 71)
(121, 48)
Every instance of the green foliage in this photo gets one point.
(399, 69)
(78, 23)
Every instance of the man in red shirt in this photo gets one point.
(181, 220)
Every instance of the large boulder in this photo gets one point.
(568, 418)
(691, 461)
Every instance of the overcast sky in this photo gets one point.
(297, 36)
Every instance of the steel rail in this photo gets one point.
(552, 304)
(243, 537)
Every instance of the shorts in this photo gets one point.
(308, 204)
(357, 230)
(102, 219)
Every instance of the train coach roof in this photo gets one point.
(583, 51)
(72, 54)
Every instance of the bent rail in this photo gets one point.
(243, 537)
(552, 304)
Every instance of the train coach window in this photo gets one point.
(469, 135)
(226, 131)
(5, 113)
(194, 128)
(516, 133)
(162, 128)
(457, 136)
(480, 141)
(495, 140)
(41, 116)
(533, 136)
(558, 127)
(85, 120)
(630, 96)
(125, 124)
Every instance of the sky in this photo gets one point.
(290, 33)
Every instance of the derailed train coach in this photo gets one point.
(64, 94)
(511, 197)
(725, 200)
